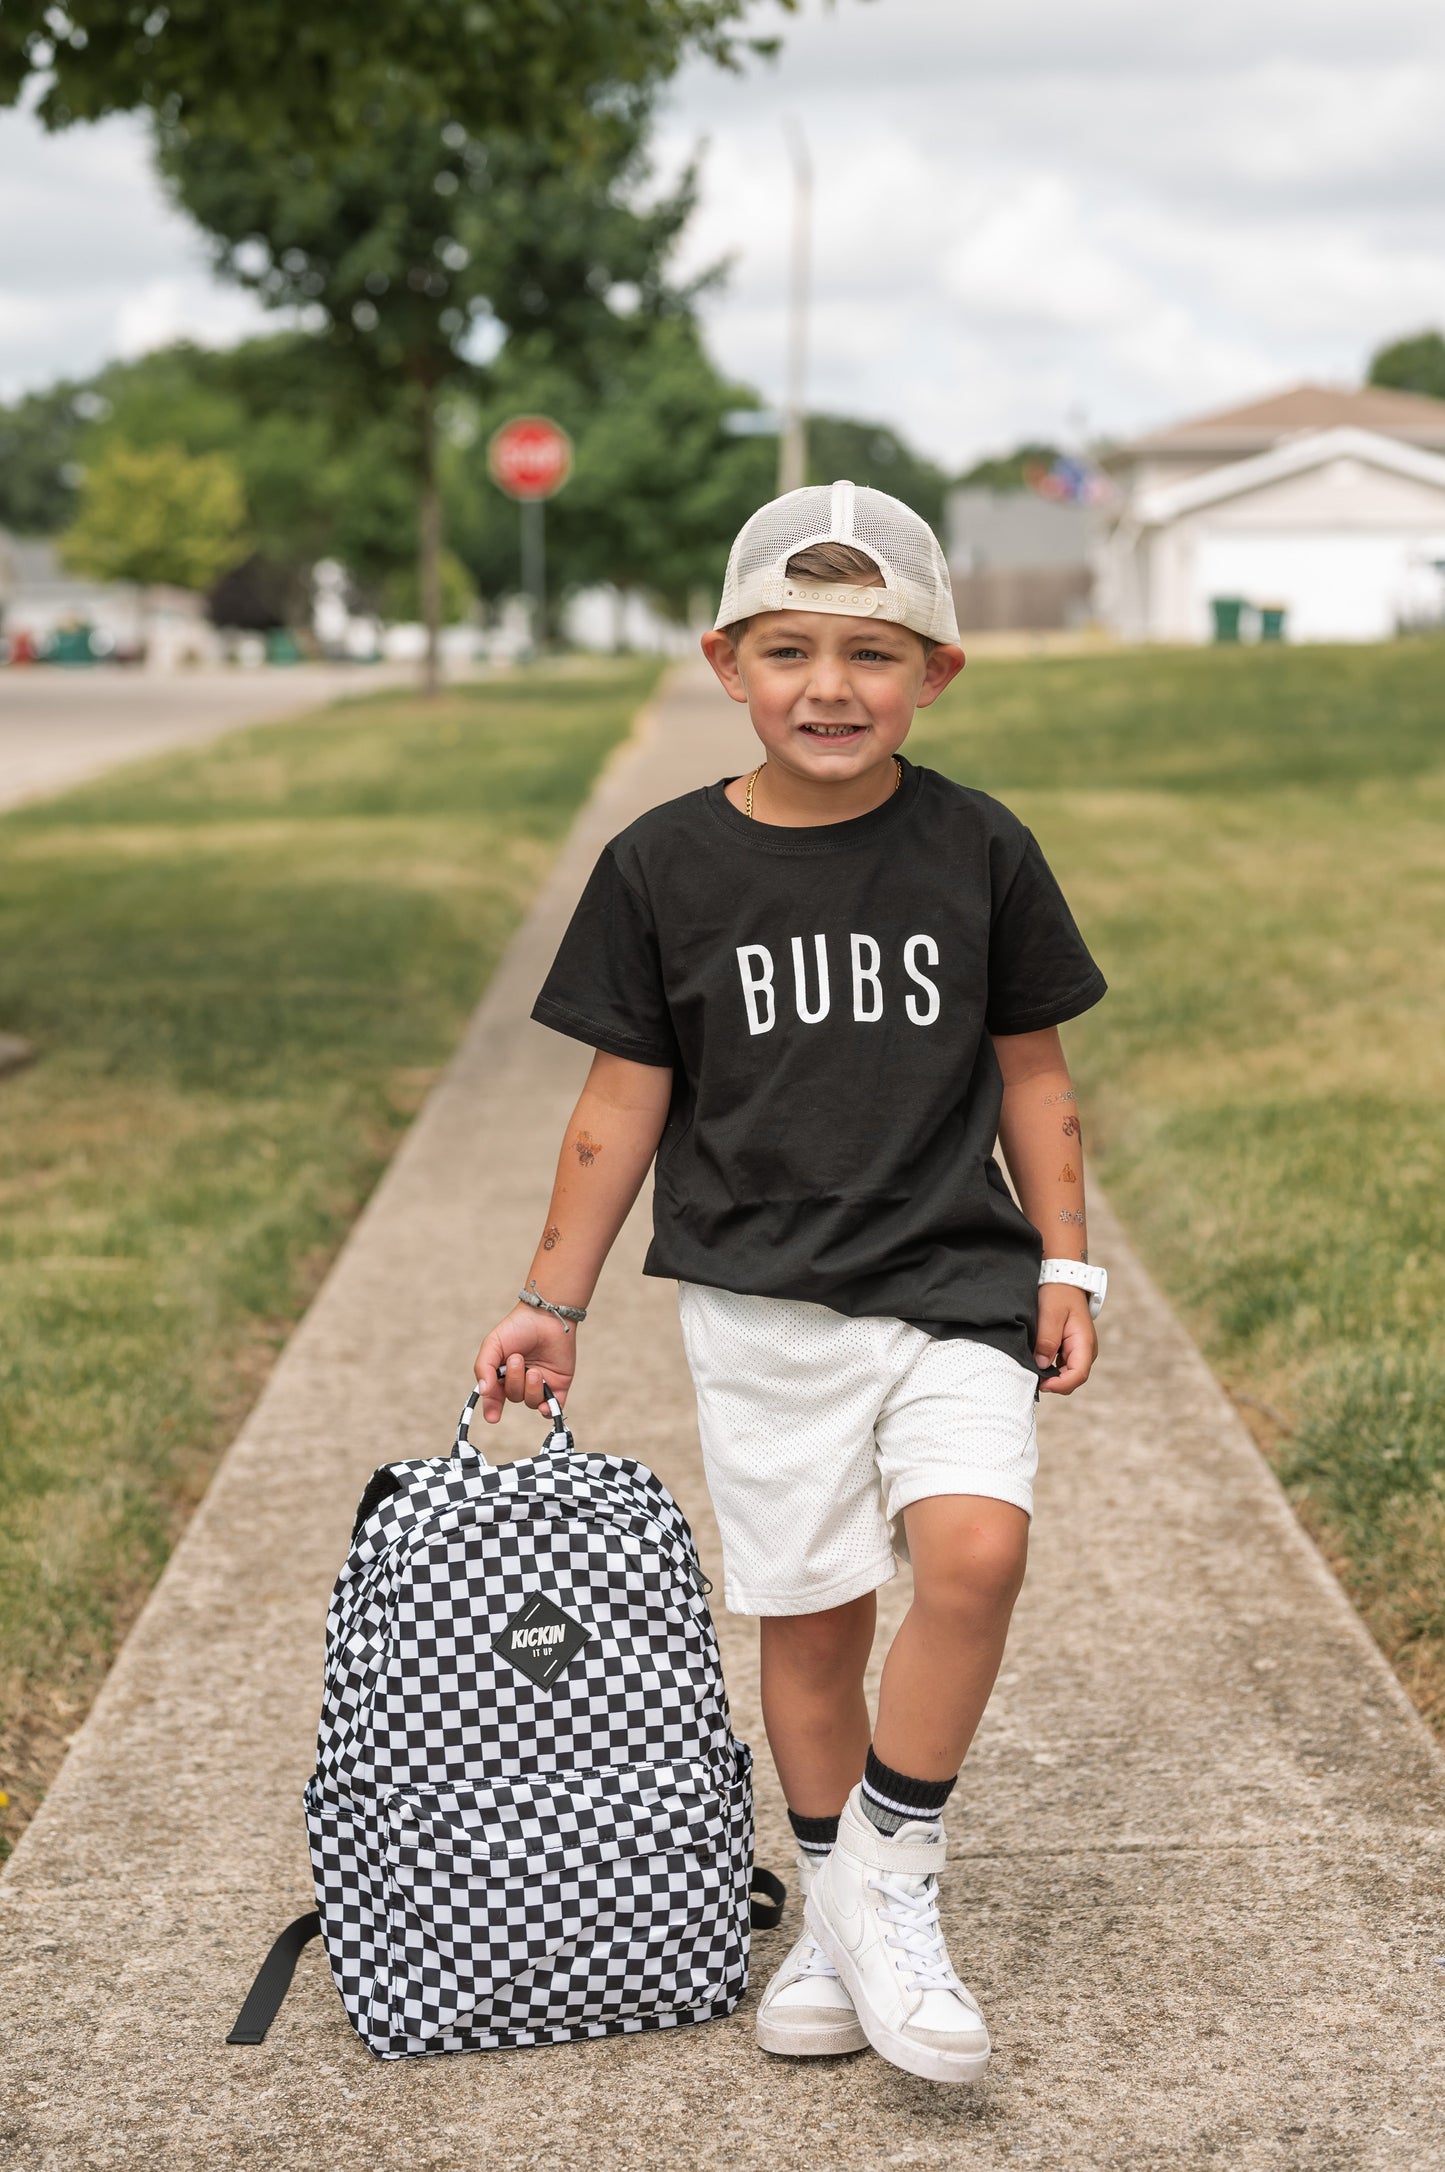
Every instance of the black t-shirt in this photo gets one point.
(825, 998)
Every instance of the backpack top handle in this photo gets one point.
(558, 1442)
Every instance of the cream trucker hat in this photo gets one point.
(917, 591)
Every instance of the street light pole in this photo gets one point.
(793, 442)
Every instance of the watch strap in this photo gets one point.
(1081, 1276)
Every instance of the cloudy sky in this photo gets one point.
(1049, 218)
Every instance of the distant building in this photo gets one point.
(1327, 504)
(1019, 562)
(40, 600)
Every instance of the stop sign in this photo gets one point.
(530, 457)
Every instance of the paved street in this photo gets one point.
(58, 727)
(1197, 1856)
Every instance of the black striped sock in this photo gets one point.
(891, 1799)
(815, 1836)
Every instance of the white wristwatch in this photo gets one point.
(1083, 1277)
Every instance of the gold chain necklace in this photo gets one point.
(748, 801)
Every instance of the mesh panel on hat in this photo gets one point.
(789, 524)
(895, 534)
(909, 557)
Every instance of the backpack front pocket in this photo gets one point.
(568, 1904)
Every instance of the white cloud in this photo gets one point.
(93, 261)
(167, 308)
(1029, 257)
(1029, 220)
(1036, 215)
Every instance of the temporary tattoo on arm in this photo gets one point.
(1068, 1174)
(1071, 1214)
(1073, 1129)
(551, 1238)
(1068, 1094)
(588, 1148)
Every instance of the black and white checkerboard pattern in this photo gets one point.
(499, 1864)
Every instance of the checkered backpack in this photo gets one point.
(530, 1820)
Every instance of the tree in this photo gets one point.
(659, 488)
(872, 453)
(660, 485)
(1416, 364)
(160, 517)
(318, 479)
(37, 459)
(307, 142)
(289, 77)
(402, 244)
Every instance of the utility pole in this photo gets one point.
(793, 441)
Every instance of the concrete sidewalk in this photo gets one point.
(1197, 1852)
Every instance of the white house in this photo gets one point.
(1329, 504)
(39, 599)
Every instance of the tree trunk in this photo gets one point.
(429, 545)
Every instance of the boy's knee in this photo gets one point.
(982, 1579)
(819, 1643)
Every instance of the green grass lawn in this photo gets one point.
(1254, 843)
(241, 967)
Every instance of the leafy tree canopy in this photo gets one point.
(315, 483)
(659, 487)
(659, 490)
(323, 478)
(1416, 364)
(289, 74)
(406, 246)
(37, 454)
(157, 516)
(872, 453)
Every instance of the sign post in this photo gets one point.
(530, 458)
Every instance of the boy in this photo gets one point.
(818, 994)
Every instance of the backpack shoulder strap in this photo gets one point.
(273, 1980)
(766, 1913)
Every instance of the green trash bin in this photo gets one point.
(282, 646)
(70, 645)
(1228, 611)
(1272, 621)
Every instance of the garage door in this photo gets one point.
(1339, 587)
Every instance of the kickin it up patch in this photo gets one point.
(540, 1641)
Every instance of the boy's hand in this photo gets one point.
(534, 1347)
(1066, 1337)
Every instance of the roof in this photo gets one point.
(1255, 427)
(1167, 501)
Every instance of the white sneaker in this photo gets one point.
(805, 2013)
(873, 1908)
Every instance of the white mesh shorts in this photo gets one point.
(818, 1431)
